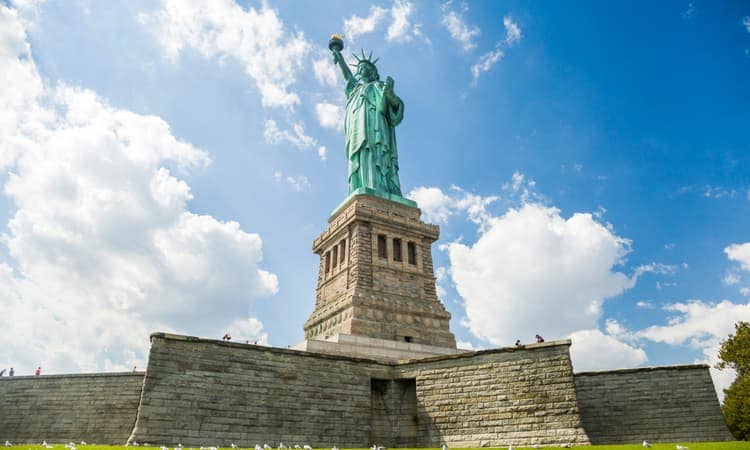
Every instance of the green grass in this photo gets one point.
(734, 445)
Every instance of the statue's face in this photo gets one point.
(367, 72)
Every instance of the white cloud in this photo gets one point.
(437, 206)
(20, 90)
(594, 350)
(458, 28)
(486, 62)
(644, 305)
(249, 331)
(322, 152)
(299, 183)
(718, 192)
(697, 322)
(356, 26)
(746, 23)
(325, 72)
(400, 26)
(296, 136)
(330, 115)
(512, 32)
(256, 38)
(105, 247)
(739, 253)
(701, 325)
(468, 345)
(400, 29)
(522, 189)
(731, 279)
(657, 268)
(535, 271)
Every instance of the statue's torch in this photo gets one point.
(336, 44)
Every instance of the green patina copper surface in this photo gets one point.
(372, 113)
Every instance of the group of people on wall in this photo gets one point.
(12, 372)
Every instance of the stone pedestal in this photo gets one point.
(376, 277)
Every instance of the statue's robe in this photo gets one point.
(369, 124)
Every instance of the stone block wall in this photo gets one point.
(96, 408)
(512, 396)
(205, 392)
(660, 404)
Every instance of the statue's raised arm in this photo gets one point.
(371, 115)
(336, 44)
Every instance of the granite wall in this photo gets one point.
(512, 396)
(659, 404)
(206, 392)
(97, 408)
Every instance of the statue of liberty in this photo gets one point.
(372, 113)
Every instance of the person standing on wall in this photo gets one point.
(38, 371)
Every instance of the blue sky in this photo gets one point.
(167, 166)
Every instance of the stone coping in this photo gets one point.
(471, 354)
(466, 354)
(266, 348)
(644, 369)
(72, 375)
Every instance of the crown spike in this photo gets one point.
(376, 61)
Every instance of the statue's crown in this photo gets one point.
(364, 59)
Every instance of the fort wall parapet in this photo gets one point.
(658, 404)
(59, 408)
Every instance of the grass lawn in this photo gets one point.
(734, 445)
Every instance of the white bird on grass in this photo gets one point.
(134, 444)
(258, 447)
(334, 448)
(681, 447)
(537, 446)
(647, 444)
(163, 448)
(234, 445)
(565, 445)
(307, 447)
(266, 446)
(297, 446)
(281, 445)
(83, 443)
(8, 444)
(46, 445)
